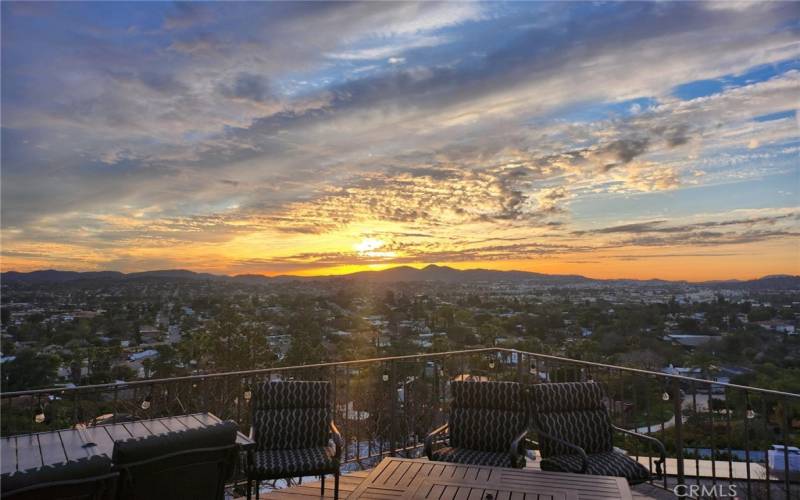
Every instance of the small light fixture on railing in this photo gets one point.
(491, 363)
(750, 413)
(248, 394)
(39, 416)
(532, 370)
(385, 376)
(665, 396)
(146, 402)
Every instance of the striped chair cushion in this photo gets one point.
(486, 416)
(609, 463)
(292, 415)
(299, 462)
(472, 457)
(573, 412)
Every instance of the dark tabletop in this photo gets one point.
(26, 451)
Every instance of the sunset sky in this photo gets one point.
(630, 140)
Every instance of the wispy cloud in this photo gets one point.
(453, 132)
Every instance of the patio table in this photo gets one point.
(406, 479)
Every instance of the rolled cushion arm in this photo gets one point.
(337, 441)
(580, 451)
(517, 450)
(432, 438)
(658, 444)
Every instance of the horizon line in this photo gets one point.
(418, 268)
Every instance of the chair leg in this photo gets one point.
(336, 486)
(258, 487)
(248, 488)
(322, 485)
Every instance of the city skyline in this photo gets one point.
(627, 140)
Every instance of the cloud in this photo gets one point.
(663, 226)
(247, 86)
(626, 149)
(231, 123)
(390, 51)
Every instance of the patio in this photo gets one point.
(385, 407)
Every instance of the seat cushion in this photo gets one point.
(277, 395)
(566, 396)
(484, 429)
(292, 414)
(488, 395)
(609, 463)
(473, 457)
(573, 412)
(486, 416)
(288, 463)
(137, 449)
(85, 468)
(291, 428)
(589, 429)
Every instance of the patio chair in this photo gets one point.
(191, 464)
(292, 425)
(576, 434)
(85, 479)
(487, 425)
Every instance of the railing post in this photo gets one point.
(346, 422)
(520, 368)
(115, 408)
(766, 452)
(74, 407)
(786, 422)
(393, 407)
(677, 404)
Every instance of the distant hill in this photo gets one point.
(53, 276)
(450, 275)
(776, 282)
(431, 273)
(176, 273)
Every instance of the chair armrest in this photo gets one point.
(337, 440)
(578, 449)
(252, 449)
(518, 448)
(658, 444)
(431, 438)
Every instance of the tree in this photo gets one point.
(30, 370)
(123, 372)
(229, 343)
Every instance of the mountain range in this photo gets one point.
(431, 273)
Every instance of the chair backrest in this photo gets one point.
(486, 416)
(85, 479)
(191, 464)
(292, 415)
(573, 412)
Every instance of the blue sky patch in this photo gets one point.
(790, 113)
(703, 88)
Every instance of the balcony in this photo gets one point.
(715, 434)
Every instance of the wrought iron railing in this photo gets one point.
(717, 435)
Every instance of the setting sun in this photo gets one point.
(582, 154)
(368, 245)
